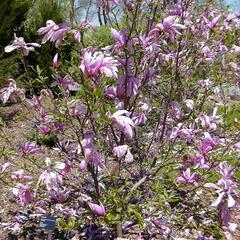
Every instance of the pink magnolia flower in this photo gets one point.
(228, 235)
(207, 122)
(23, 192)
(43, 114)
(115, 92)
(156, 224)
(34, 101)
(6, 166)
(60, 34)
(122, 150)
(176, 110)
(230, 230)
(129, 157)
(129, 5)
(223, 48)
(97, 63)
(225, 190)
(184, 133)
(59, 196)
(67, 212)
(131, 84)
(124, 123)
(77, 108)
(235, 48)
(97, 209)
(76, 33)
(53, 32)
(46, 93)
(65, 146)
(48, 31)
(206, 83)
(139, 118)
(237, 145)
(207, 144)
(51, 179)
(147, 45)
(200, 161)
(20, 44)
(30, 148)
(214, 22)
(12, 92)
(64, 167)
(224, 214)
(18, 175)
(119, 37)
(67, 83)
(187, 178)
(91, 153)
(205, 50)
(58, 127)
(168, 26)
(169, 22)
(226, 171)
(177, 10)
(174, 133)
(40, 211)
(44, 129)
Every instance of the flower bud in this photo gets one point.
(97, 209)
(55, 61)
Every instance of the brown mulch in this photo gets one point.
(17, 129)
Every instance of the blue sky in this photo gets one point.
(233, 4)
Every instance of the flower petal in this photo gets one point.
(231, 201)
(218, 200)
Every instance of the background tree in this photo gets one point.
(12, 15)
